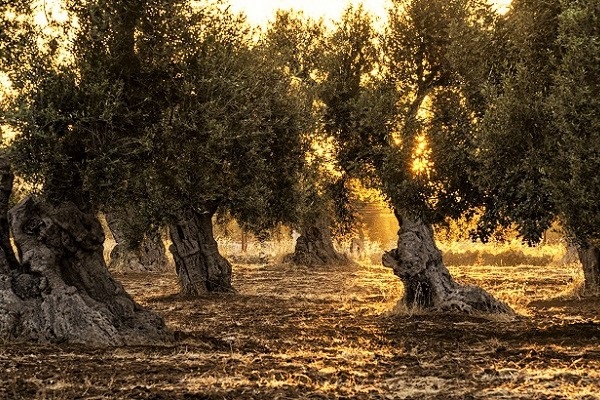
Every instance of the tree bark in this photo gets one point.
(589, 256)
(198, 263)
(427, 282)
(149, 255)
(244, 241)
(63, 292)
(314, 247)
(571, 255)
(8, 261)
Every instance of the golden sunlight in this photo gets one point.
(259, 12)
(501, 6)
(48, 11)
(421, 157)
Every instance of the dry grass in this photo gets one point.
(329, 333)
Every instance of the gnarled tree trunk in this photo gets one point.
(62, 291)
(589, 256)
(149, 255)
(314, 247)
(427, 282)
(199, 265)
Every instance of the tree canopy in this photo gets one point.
(162, 104)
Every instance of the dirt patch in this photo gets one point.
(330, 333)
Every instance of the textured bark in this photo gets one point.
(199, 265)
(314, 247)
(427, 282)
(571, 256)
(149, 255)
(63, 292)
(8, 261)
(589, 256)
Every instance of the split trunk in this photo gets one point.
(427, 282)
(199, 265)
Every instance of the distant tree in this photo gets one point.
(347, 66)
(138, 243)
(299, 44)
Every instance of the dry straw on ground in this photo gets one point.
(331, 333)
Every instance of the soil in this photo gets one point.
(332, 333)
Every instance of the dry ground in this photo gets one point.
(297, 333)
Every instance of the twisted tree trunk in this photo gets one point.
(314, 247)
(427, 282)
(62, 291)
(148, 255)
(589, 256)
(198, 263)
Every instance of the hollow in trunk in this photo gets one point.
(198, 263)
(427, 282)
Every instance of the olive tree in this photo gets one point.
(427, 166)
(232, 140)
(574, 105)
(298, 44)
(164, 106)
(537, 137)
(79, 119)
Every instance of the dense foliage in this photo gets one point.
(436, 107)
(450, 109)
(158, 106)
(574, 105)
(517, 126)
(539, 141)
